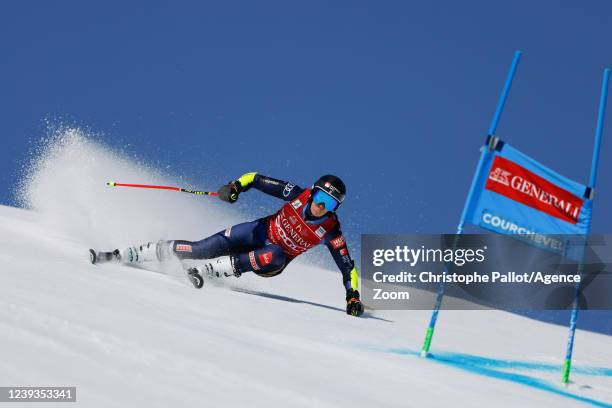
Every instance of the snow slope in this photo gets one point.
(135, 337)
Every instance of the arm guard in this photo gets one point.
(277, 188)
(337, 247)
(246, 180)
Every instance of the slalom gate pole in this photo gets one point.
(492, 129)
(592, 181)
(182, 190)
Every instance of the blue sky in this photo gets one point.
(395, 97)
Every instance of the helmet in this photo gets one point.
(332, 185)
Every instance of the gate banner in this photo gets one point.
(515, 194)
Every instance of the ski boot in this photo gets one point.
(151, 251)
(221, 267)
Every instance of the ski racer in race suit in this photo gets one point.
(267, 245)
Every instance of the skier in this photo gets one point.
(266, 245)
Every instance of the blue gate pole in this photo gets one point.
(492, 129)
(504, 95)
(600, 123)
(592, 181)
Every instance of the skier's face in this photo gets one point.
(318, 210)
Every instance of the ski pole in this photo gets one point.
(183, 190)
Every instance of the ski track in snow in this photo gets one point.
(129, 337)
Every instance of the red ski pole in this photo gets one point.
(183, 190)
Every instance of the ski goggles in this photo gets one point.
(321, 197)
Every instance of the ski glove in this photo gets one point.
(354, 307)
(230, 192)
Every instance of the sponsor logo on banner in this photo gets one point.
(253, 262)
(338, 242)
(265, 258)
(296, 204)
(183, 248)
(501, 176)
(519, 184)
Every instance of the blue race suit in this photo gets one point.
(250, 246)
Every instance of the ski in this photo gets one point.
(97, 257)
(195, 278)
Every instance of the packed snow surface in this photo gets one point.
(128, 337)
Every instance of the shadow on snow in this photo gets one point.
(294, 300)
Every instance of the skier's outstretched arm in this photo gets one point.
(284, 190)
(336, 244)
